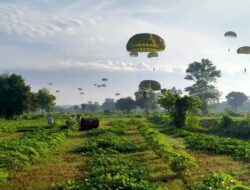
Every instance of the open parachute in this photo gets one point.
(149, 85)
(230, 34)
(244, 50)
(145, 42)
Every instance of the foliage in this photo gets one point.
(45, 100)
(14, 95)
(178, 106)
(219, 181)
(192, 122)
(146, 100)
(125, 104)
(22, 152)
(107, 140)
(180, 161)
(226, 122)
(236, 99)
(108, 104)
(204, 74)
(3, 176)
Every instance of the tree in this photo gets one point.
(146, 100)
(125, 104)
(178, 106)
(108, 104)
(76, 108)
(14, 95)
(83, 107)
(93, 107)
(236, 99)
(45, 100)
(204, 74)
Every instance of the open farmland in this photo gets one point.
(121, 153)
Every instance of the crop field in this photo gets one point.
(123, 153)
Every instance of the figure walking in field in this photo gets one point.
(50, 120)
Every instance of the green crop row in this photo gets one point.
(23, 152)
(239, 149)
(218, 181)
(180, 161)
(110, 168)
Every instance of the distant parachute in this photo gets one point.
(103, 85)
(99, 86)
(104, 79)
(50, 83)
(81, 93)
(149, 85)
(57, 91)
(244, 50)
(230, 34)
(95, 84)
(145, 42)
(80, 89)
(117, 94)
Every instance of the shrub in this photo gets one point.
(226, 122)
(3, 176)
(192, 122)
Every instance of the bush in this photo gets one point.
(192, 122)
(226, 122)
(220, 181)
(3, 176)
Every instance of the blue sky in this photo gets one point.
(76, 43)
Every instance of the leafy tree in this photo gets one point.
(83, 107)
(45, 100)
(125, 104)
(236, 99)
(204, 74)
(76, 108)
(108, 104)
(14, 95)
(178, 106)
(93, 107)
(146, 100)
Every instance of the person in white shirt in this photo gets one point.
(50, 120)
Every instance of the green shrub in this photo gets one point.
(226, 122)
(192, 122)
(3, 176)
(219, 181)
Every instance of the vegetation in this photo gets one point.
(125, 104)
(204, 74)
(236, 99)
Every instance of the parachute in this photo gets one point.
(149, 85)
(104, 79)
(95, 84)
(244, 50)
(145, 42)
(81, 93)
(80, 89)
(99, 86)
(57, 91)
(50, 83)
(103, 85)
(230, 34)
(117, 94)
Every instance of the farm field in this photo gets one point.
(122, 152)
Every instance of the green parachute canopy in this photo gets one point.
(149, 85)
(244, 50)
(230, 34)
(145, 42)
(152, 54)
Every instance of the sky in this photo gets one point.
(75, 43)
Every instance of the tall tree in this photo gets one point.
(146, 100)
(45, 100)
(83, 107)
(125, 104)
(93, 107)
(204, 74)
(108, 104)
(14, 95)
(236, 99)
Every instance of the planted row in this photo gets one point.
(22, 152)
(239, 149)
(180, 161)
(110, 168)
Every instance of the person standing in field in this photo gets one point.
(50, 120)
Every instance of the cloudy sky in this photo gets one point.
(75, 43)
